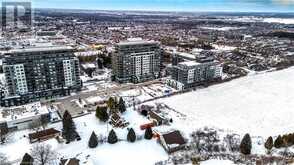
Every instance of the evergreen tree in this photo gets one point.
(27, 160)
(111, 103)
(148, 133)
(278, 142)
(112, 138)
(288, 140)
(269, 143)
(246, 145)
(99, 63)
(291, 138)
(93, 141)
(101, 113)
(121, 105)
(131, 135)
(69, 128)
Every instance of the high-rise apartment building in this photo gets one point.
(32, 73)
(136, 61)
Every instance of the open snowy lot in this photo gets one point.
(257, 104)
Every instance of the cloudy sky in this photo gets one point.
(172, 5)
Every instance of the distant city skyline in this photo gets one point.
(172, 5)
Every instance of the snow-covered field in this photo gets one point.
(279, 20)
(268, 20)
(258, 104)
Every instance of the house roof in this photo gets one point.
(72, 161)
(155, 116)
(115, 116)
(174, 137)
(43, 133)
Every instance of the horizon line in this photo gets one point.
(167, 11)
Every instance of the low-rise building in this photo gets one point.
(172, 141)
(158, 119)
(21, 117)
(71, 161)
(44, 135)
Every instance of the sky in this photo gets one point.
(172, 5)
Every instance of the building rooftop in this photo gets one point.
(136, 42)
(189, 63)
(186, 55)
(38, 49)
(32, 45)
(43, 134)
(22, 112)
(174, 137)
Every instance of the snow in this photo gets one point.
(92, 88)
(145, 152)
(268, 20)
(94, 99)
(81, 104)
(189, 63)
(22, 112)
(217, 162)
(102, 75)
(142, 152)
(227, 28)
(279, 20)
(17, 143)
(2, 78)
(258, 104)
(223, 47)
(89, 65)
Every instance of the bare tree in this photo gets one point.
(233, 142)
(3, 160)
(35, 125)
(40, 123)
(43, 154)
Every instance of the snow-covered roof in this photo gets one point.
(136, 42)
(39, 48)
(24, 111)
(89, 65)
(186, 55)
(189, 63)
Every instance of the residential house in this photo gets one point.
(43, 135)
(172, 141)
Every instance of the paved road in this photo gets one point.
(100, 92)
